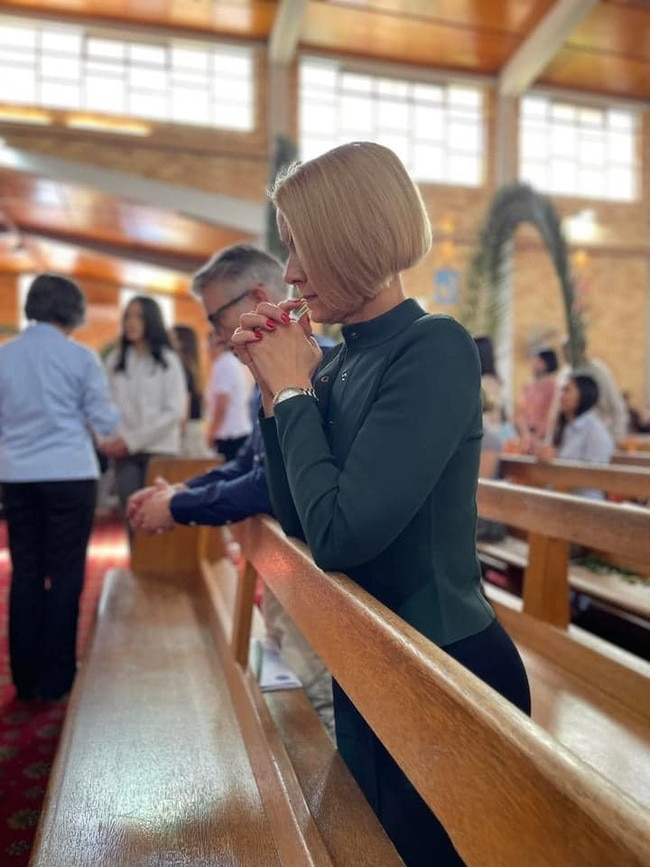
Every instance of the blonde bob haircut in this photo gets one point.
(356, 219)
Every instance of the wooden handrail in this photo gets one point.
(622, 530)
(462, 745)
(627, 481)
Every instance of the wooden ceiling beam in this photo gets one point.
(179, 262)
(532, 56)
(286, 31)
(210, 208)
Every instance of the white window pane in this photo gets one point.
(563, 177)
(392, 115)
(148, 79)
(17, 85)
(17, 37)
(313, 147)
(621, 120)
(391, 87)
(429, 93)
(60, 94)
(590, 117)
(356, 113)
(150, 55)
(621, 147)
(317, 75)
(353, 83)
(232, 63)
(592, 183)
(592, 151)
(462, 169)
(104, 68)
(397, 143)
(188, 78)
(61, 41)
(466, 97)
(235, 116)
(102, 94)
(533, 145)
(428, 162)
(534, 107)
(190, 58)
(535, 174)
(621, 184)
(428, 122)
(190, 105)
(53, 66)
(317, 117)
(151, 105)
(563, 140)
(559, 111)
(105, 48)
(464, 136)
(234, 90)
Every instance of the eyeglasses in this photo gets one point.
(214, 317)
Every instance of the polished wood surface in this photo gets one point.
(171, 556)
(152, 767)
(626, 481)
(465, 746)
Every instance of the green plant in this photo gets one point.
(484, 303)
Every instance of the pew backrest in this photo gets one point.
(462, 746)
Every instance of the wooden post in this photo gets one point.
(546, 581)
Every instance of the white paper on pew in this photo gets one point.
(269, 668)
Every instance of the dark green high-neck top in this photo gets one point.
(379, 476)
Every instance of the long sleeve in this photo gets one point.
(427, 401)
(97, 405)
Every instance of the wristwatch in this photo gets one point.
(291, 391)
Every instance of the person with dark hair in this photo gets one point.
(402, 525)
(580, 434)
(610, 406)
(53, 395)
(148, 385)
(535, 414)
(184, 342)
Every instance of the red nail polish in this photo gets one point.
(285, 317)
(270, 324)
(258, 335)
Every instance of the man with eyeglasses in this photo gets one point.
(234, 281)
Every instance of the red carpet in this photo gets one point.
(29, 732)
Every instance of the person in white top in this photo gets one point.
(148, 386)
(227, 401)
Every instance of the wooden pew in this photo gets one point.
(169, 753)
(502, 785)
(619, 592)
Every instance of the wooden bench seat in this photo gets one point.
(592, 697)
(618, 591)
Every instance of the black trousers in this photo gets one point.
(229, 448)
(49, 525)
(416, 833)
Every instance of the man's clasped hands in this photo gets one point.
(279, 353)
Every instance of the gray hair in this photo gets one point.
(239, 264)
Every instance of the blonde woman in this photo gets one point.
(376, 465)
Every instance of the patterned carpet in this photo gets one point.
(29, 732)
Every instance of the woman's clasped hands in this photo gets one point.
(278, 351)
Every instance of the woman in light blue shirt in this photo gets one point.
(53, 394)
(580, 434)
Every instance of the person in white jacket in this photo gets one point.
(148, 386)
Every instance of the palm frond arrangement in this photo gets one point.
(484, 304)
(285, 153)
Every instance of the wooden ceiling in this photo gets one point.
(600, 47)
